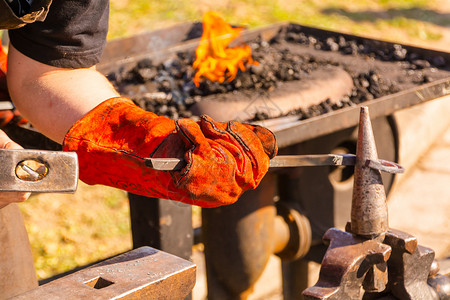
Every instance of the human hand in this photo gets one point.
(223, 159)
(10, 197)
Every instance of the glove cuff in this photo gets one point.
(91, 122)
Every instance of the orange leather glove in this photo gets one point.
(223, 159)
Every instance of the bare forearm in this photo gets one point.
(53, 99)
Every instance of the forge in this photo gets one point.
(307, 87)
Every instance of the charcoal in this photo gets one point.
(259, 116)
(427, 78)
(326, 106)
(421, 63)
(146, 74)
(145, 63)
(332, 45)
(399, 52)
(439, 61)
(147, 82)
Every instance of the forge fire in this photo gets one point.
(215, 60)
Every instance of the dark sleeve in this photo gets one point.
(72, 36)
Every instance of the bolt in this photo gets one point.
(31, 170)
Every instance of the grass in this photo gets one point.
(415, 20)
(67, 231)
(71, 230)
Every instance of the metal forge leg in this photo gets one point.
(370, 260)
(163, 224)
(239, 240)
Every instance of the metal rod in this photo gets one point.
(312, 160)
(172, 164)
(290, 161)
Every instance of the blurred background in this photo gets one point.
(67, 231)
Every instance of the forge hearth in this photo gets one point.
(302, 73)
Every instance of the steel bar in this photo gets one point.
(286, 161)
(171, 164)
(38, 171)
(385, 166)
(312, 160)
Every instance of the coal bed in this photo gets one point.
(332, 71)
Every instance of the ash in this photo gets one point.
(167, 88)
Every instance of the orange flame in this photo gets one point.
(215, 60)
